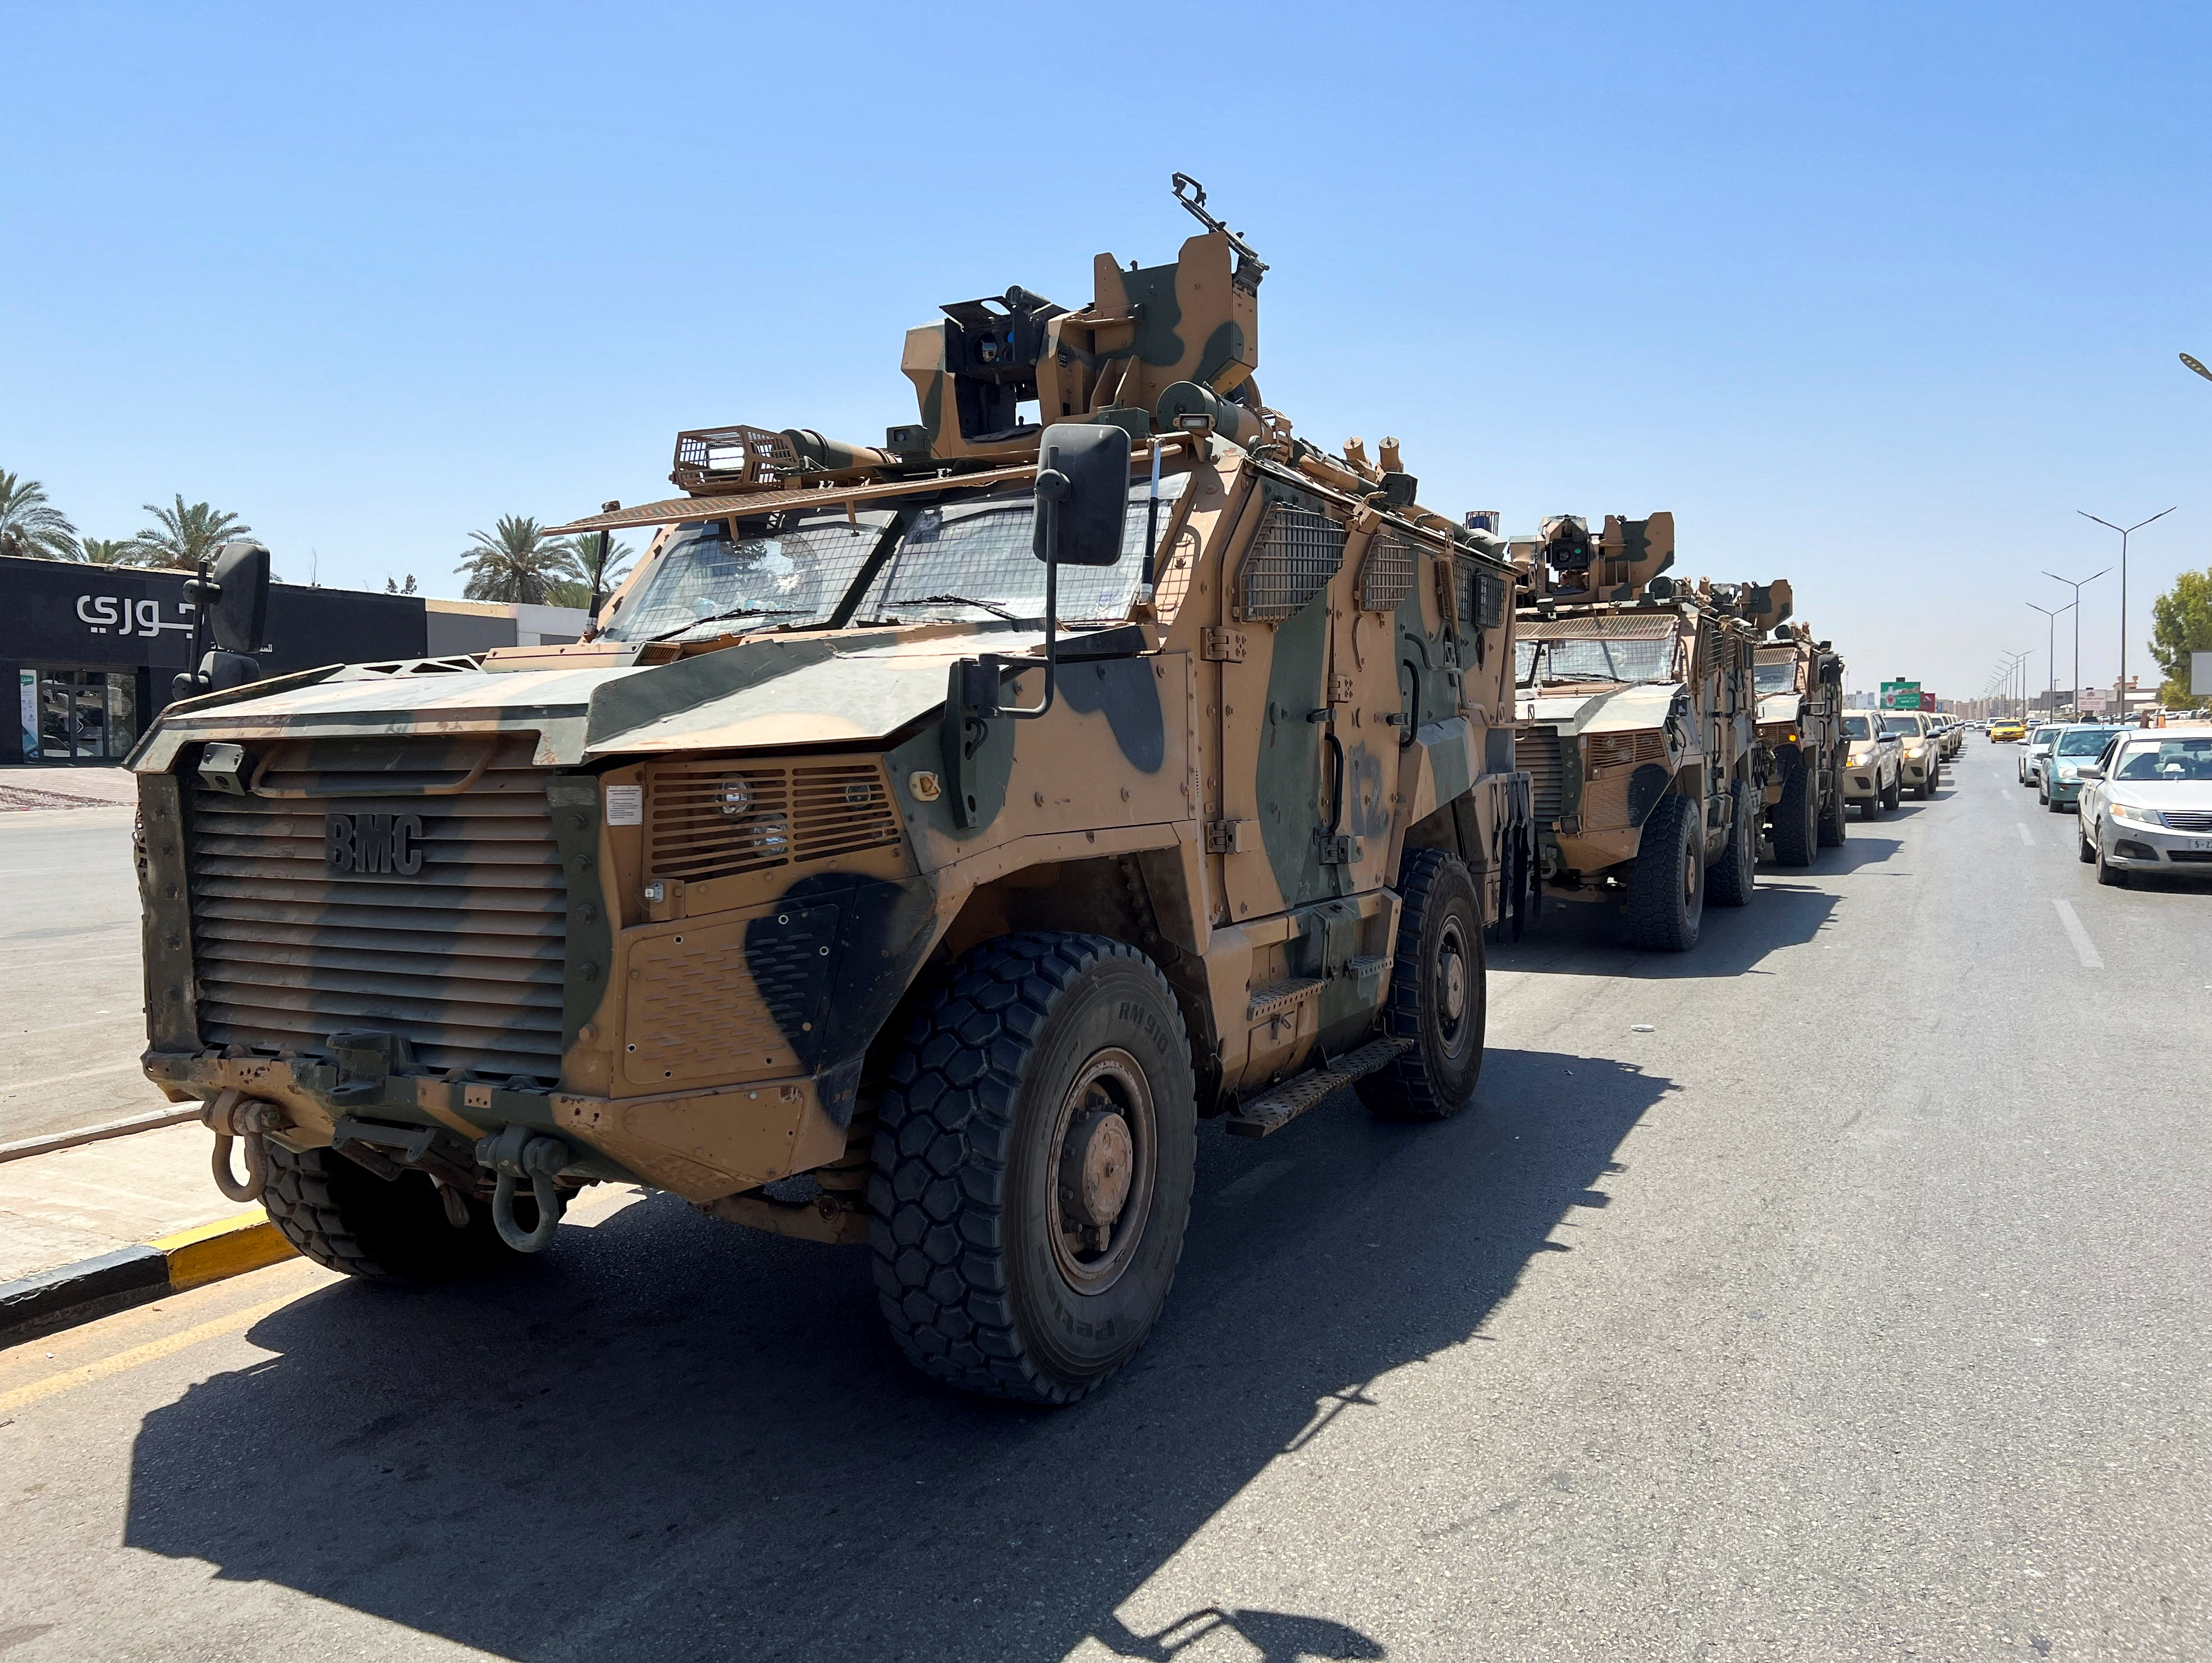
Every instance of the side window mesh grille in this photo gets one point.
(1291, 560)
(1387, 576)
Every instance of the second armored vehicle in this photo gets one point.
(1800, 684)
(1637, 728)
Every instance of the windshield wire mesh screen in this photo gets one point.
(965, 559)
(1296, 554)
(1387, 576)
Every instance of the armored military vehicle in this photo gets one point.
(925, 837)
(1800, 686)
(1636, 727)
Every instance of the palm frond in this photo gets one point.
(31, 528)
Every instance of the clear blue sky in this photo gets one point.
(1872, 296)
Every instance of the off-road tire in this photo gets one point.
(346, 1219)
(1733, 879)
(1798, 823)
(1433, 1078)
(1667, 884)
(1835, 817)
(966, 1266)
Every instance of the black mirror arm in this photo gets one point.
(1051, 492)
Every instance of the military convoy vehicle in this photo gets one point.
(1637, 730)
(925, 838)
(1798, 682)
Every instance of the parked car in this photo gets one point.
(2077, 747)
(1952, 733)
(2147, 804)
(2030, 760)
(2005, 732)
(1873, 765)
(1921, 764)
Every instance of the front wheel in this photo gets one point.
(2111, 877)
(1733, 874)
(1833, 826)
(346, 1218)
(2084, 850)
(1799, 826)
(1437, 995)
(1894, 795)
(1034, 1167)
(1667, 884)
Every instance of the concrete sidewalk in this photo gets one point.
(30, 788)
(78, 1203)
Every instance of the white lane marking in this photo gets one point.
(2026, 836)
(2084, 948)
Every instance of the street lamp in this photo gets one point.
(2011, 674)
(2199, 368)
(2125, 531)
(2076, 586)
(2051, 651)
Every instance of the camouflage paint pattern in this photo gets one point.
(1228, 785)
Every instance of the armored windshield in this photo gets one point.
(964, 557)
(1603, 659)
(1775, 675)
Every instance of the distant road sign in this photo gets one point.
(1901, 695)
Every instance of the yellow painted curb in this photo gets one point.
(230, 1247)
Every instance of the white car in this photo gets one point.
(2147, 804)
(1922, 761)
(2037, 747)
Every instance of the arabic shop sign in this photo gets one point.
(121, 616)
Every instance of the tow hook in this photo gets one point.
(233, 1116)
(518, 1152)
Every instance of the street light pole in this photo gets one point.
(2051, 651)
(2076, 588)
(2125, 531)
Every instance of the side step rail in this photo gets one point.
(1296, 1095)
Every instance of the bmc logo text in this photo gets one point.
(375, 845)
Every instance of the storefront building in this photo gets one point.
(91, 649)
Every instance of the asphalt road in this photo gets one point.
(1857, 1310)
(72, 1003)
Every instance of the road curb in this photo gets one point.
(64, 1297)
(53, 1141)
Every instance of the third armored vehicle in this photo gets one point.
(1637, 734)
(1800, 684)
(929, 834)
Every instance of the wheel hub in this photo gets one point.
(1095, 1166)
(1454, 980)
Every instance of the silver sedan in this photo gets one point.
(2146, 806)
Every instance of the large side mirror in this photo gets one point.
(1082, 494)
(2092, 774)
(240, 618)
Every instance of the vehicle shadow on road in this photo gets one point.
(675, 1438)
(1590, 939)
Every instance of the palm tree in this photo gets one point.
(30, 529)
(603, 563)
(184, 536)
(109, 551)
(515, 562)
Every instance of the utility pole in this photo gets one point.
(2076, 586)
(2051, 650)
(2125, 531)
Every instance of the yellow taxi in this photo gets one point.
(2007, 732)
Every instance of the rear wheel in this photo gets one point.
(1667, 884)
(1799, 825)
(1034, 1167)
(1437, 998)
(346, 1219)
(1732, 877)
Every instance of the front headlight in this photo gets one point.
(1914, 751)
(1858, 760)
(2070, 771)
(2134, 816)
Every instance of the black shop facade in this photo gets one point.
(91, 649)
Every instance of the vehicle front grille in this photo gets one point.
(462, 958)
(717, 819)
(2190, 820)
(1537, 750)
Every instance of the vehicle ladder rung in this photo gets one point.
(1279, 1108)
